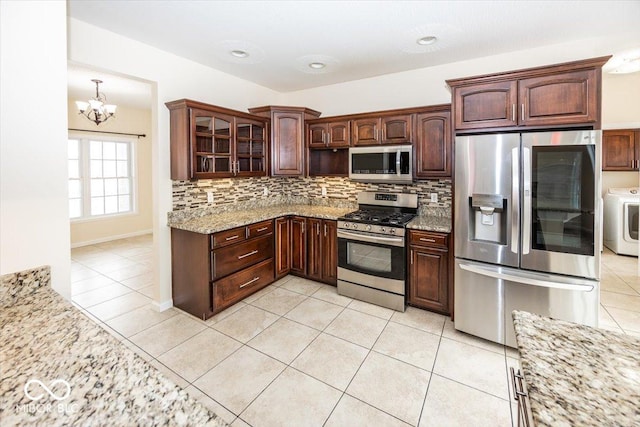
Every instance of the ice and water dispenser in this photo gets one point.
(488, 218)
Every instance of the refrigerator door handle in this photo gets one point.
(526, 200)
(567, 284)
(515, 185)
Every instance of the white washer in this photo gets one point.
(621, 220)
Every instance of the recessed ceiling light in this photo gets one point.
(317, 65)
(239, 53)
(424, 41)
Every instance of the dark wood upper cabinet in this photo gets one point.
(329, 134)
(208, 141)
(561, 95)
(287, 138)
(620, 149)
(382, 130)
(433, 143)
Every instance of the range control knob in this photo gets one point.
(368, 227)
(392, 231)
(347, 225)
(355, 226)
(382, 230)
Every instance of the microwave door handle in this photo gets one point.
(526, 200)
(398, 162)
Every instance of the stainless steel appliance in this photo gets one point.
(392, 163)
(371, 248)
(527, 229)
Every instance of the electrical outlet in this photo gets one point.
(209, 196)
(265, 191)
(434, 197)
(324, 190)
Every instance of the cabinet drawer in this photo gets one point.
(236, 257)
(239, 285)
(259, 229)
(228, 237)
(429, 239)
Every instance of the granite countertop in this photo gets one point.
(213, 222)
(578, 375)
(47, 339)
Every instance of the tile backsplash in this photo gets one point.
(226, 191)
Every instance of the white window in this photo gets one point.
(101, 177)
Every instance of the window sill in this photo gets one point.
(103, 217)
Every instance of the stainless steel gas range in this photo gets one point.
(371, 248)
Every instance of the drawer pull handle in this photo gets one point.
(422, 239)
(232, 237)
(248, 254)
(262, 229)
(250, 282)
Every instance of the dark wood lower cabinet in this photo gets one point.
(298, 246)
(330, 253)
(428, 267)
(314, 249)
(283, 247)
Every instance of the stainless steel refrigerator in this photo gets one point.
(527, 229)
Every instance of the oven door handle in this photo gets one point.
(394, 241)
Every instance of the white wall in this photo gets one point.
(34, 219)
(127, 120)
(173, 78)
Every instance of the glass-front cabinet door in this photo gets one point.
(250, 148)
(213, 152)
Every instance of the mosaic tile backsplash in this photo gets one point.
(189, 195)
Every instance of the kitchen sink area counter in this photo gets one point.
(90, 376)
(578, 375)
(207, 221)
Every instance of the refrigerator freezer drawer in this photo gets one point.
(571, 299)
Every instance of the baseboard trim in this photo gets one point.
(162, 306)
(110, 238)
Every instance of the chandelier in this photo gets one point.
(96, 110)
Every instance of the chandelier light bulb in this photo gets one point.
(96, 108)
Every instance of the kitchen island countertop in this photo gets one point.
(576, 374)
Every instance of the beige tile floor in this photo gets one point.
(296, 353)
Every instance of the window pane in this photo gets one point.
(122, 168)
(121, 151)
(75, 208)
(123, 204)
(97, 188)
(109, 150)
(74, 189)
(74, 169)
(111, 187)
(97, 206)
(123, 186)
(109, 168)
(96, 168)
(72, 149)
(95, 147)
(111, 204)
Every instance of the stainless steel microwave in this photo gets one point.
(392, 164)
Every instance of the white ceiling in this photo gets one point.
(356, 39)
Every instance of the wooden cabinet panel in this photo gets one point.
(259, 229)
(190, 273)
(620, 150)
(396, 129)
(228, 237)
(287, 153)
(298, 245)
(433, 145)
(330, 252)
(250, 148)
(314, 249)
(428, 268)
(486, 105)
(233, 258)
(237, 286)
(339, 134)
(317, 135)
(562, 98)
(365, 131)
(283, 248)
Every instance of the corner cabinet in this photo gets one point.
(620, 149)
(566, 94)
(287, 137)
(433, 143)
(429, 285)
(214, 142)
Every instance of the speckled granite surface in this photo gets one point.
(578, 375)
(226, 220)
(45, 338)
(211, 220)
